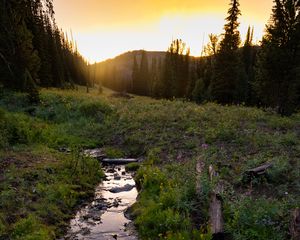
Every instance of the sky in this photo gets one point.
(106, 28)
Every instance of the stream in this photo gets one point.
(104, 217)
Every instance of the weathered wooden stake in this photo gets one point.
(295, 225)
(215, 209)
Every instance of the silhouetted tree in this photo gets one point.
(175, 77)
(33, 51)
(144, 76)
(248, 57)
(135, 75)
(224, 84)
(277, 73)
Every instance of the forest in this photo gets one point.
(229, 71)
(34, 51)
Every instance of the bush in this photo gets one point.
(255, 219)
(111, 152)
(165, 204)
(95, 110)
(30, 229)
(13, 129)
(132, 167)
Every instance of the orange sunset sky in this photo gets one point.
(106, 28)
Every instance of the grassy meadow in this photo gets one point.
(41, 183)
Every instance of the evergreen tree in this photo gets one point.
(32, 49)
(248, 58)
(135, 75)
(175, 77)
(158, 87)
(153, 76)
(206, 71)
(21, 61)
(225, 83)
(144, 77)
(277, 73)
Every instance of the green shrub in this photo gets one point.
(2, 226)
(95, 110)
(133, 166)
(30, 229)
(256, 219)
(280, 123)
(111, 152)
(165, 204)
(289, 139)
(153, 156)
(155, 222)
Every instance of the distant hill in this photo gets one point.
(123, 63)
(116, 73)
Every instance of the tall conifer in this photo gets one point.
(224, 85)
(277, 73)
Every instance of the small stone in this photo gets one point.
(85, 231)
(117, 177)
(126, 188)
(97, 218)
(116, 203)
(110, 170)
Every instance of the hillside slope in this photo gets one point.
(124, 62)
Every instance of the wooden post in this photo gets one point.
(295, 225)
(199, 169)
(215, 209)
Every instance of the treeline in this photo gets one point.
(230, 71)
(34, 51)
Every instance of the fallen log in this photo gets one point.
(118, 160)
(259, 170)
(295, 225)
(250, 174)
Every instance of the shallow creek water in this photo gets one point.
(104, 218)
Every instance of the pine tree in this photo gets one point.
(144, 77)
(135, 76)
(158, 88)
(153, 76)
(205, 70)
(277, 73)
(175, 77)
(225, 83)
(33, 50)
(248, 58)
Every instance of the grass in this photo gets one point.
(166, 203)
(169, 136)
(40, 187)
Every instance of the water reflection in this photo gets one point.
(104, 217)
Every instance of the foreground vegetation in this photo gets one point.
(41, 182)
(44, 177)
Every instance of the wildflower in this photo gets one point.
(204, 146)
